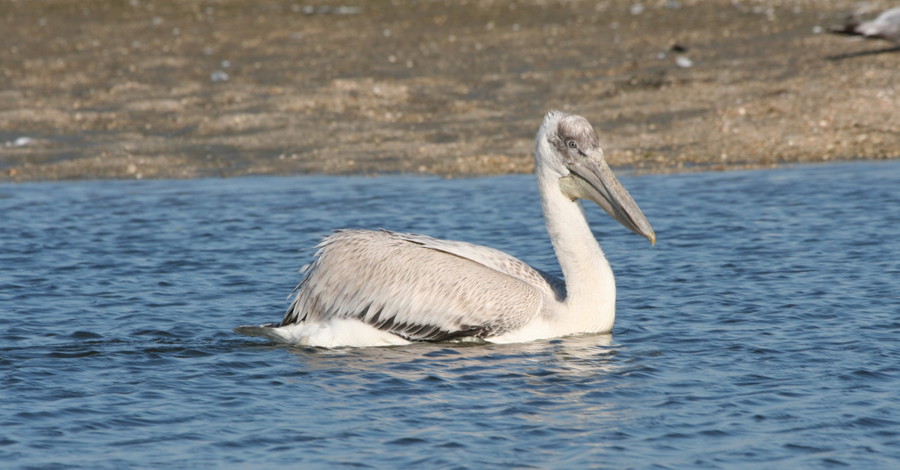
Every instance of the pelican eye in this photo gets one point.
(571, 144)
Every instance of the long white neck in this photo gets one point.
(590, 303)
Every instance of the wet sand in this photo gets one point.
(176, 89)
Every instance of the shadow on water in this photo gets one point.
(564, 368)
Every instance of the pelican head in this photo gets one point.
(568, 149)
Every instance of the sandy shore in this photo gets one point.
(181, 89)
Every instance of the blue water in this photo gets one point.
(762, 331)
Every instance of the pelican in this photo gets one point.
(382, 288)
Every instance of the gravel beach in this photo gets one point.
(183, 89)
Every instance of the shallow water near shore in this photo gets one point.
(760, 331)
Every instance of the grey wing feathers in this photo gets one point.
(495, 259)
(407, 285)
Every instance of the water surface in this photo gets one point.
(760, 331)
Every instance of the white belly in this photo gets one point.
(334, 333)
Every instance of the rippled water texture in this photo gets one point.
(761, 331)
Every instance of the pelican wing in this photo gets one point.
(495, 259)
(417, 287)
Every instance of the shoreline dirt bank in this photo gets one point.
(170, 89)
